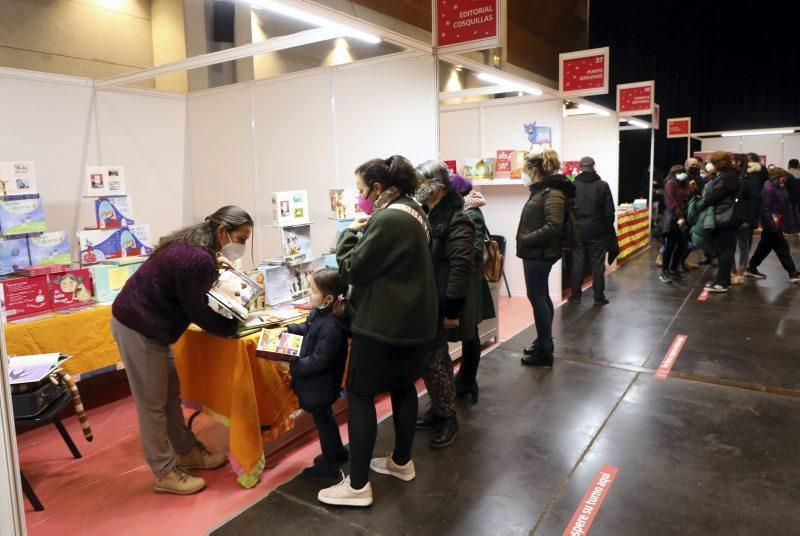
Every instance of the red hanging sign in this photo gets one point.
(679, 127)
(584, 72)
(636, 98)
(467, 24)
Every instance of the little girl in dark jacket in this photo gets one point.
(317, 374)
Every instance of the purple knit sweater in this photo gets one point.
(168, 292)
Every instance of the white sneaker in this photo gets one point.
(343, 495)
(386, 466)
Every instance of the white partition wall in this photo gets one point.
(779, 149)
(598, 137)
(479, 130)
(791, 148)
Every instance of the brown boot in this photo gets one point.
(179, 482)
(201, 457)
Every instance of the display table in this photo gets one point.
(224, 379)
(85, 335)
(633, 232)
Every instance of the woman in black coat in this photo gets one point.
(453, 262)
(539, 244)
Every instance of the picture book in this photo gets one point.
(278, 345)
(296, 242)
(13, 255)
(71, 288)
(109, 279)
(17, 178)
(571, 168)
(26, 296)
(504, 163)
(33, 368)
(103, 244)
(50, 248)
(478, 169)
(113, 212)
(105, 180)
(236, 292)
(290, 208)
(21, 215)
(343, 204)
(518, 164)
(452, 165)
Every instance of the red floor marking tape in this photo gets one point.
(671, 356)
(587, 510)
(703, 296)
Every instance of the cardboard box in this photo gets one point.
(13, 255)
(50, 248)
(290, 208)
(26, 296)
(20, 215)
(113, 212)
(104, 244)
(71, 288)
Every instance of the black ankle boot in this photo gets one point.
(542, 358)
(464, 391)
(533, 349)
(446, 434)
(429, 421)
(341, 458)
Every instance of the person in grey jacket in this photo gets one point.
(594, 215)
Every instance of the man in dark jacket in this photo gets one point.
(594, 215)
(793, 189)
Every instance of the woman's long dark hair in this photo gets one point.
(204, 234)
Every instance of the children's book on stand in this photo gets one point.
(296, 242)
(235, 292)
(17, 178)
(113, 212)
(13, 255)
(478, 169)
(279, 345)
(344, 204)
(50, 249)
(103, 181)
(21, 215)
(290, 208)
(98, 245)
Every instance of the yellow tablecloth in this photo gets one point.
(633, 232)
(225, 379)
(85, 335)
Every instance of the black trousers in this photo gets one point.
(725, 246)
(773, 241)
(537, 273)
(595, 251)
(674, 248)
(470, 360)
(330, 441)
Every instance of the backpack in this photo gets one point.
(493, 261)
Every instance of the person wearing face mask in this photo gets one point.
(453, 237)
(317, 374)
(386, 259)
(150, 314)
(721, 193)
(776, 216)
(749, 207)
(539, 244)
(676, 195)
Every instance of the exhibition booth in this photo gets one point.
(184, 155)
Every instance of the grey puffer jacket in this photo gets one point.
(542, 222)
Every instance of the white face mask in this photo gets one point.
(710, 167)
(232, 251)
(681, 176)
(526, 179)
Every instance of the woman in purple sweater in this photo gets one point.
(150, 314)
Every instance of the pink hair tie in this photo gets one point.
(341, 297)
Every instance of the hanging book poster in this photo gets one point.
(296, 243)
(113, 212)
(105, 180)
(290, 208)
(103, 244)
(50, 248)
(17, 178)
(21, 215)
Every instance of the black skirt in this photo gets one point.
(380, 368)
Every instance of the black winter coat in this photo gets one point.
(750, 197)
(317, 375)
(454, 264)
(594, 206)
(542, 222)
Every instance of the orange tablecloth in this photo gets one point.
(85, 335)
(633, 232)
(224, 379)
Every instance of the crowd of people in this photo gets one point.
(716, 207)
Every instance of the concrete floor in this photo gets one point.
(709, 450)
